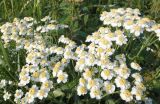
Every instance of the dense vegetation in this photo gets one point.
(81, 18)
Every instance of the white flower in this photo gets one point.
(128, 24)
(95, 92)
(35, 76)
(104, 43)
(44, 75)
(68, 54)
(64, 40)
(94, 82)
(135, 66)
(107, 74)
(42, 93)
(82, 82)
(51, 27)
(121, 58)
(124, 71)
(18, 94)
(90, 60)
(121, 39)
(62, 76)
(137, 92)
(10, 82)
(33, 91)
(109, 87)
(122, 83)
(87, 74)
(28, 99)
(3, 83)
(46, 18)
(126, 95)
(47, 85)
(56, 68)
(81, 90)
(137, 77)
(6, 96)
(110, 36)
(140, 85)
(24, 80)
(137, 30)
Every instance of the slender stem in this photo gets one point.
(141, 49)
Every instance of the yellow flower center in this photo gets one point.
(32, 91)
(122, 81)
(107, 72)
(108, 87)
(61, 77)
(82, 89)
(127, 93)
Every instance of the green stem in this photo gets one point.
(141, 49)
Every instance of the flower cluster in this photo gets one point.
(130, 20)
(27, 33)
(102, 71)
(3, 84)
(100, 74)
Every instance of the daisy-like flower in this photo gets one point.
(3, 83)
(42, 93)
(122, 83)
(68, 54)
(18, 94)
(94, 82)
(136, 66)
(140, 86)
(80, 65)
(128, 24)
(62, 76)
(104, 43)
(109, 87)
(126, 95)
(59, 50)
(90, 60)
(28, 98)
(121, 39)
(35, 76)
(33, 91)
(56, 69)
(6, 96)
(110, 51)
(110, 36)
(82, 82)
(95, 92)
(137, 30)
(107, 74)
(44, 75)
(24, 80)
(124, 71)
(81, 90)
(137, 77)
(137, 92)
(121, 58)
(47, 85)
(87, 74)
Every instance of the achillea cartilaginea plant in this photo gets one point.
(102, 69)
